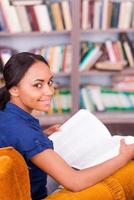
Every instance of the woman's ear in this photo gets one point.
(14, 91)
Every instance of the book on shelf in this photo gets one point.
(115, 14)
(66, 15)
(85, 14)
(123, 83)
(116, 45)
(128, 48)
(27, 16)
(23, 18)
(108, 65)
(41, 12)
(96, 98)
(85, 100)
(90, 58)
(125, 16)
(84, 141)
(57, 16)
(67, 59)
(10, 16)
(110, 50)
(108, 55)
(59, 57)
(106, 14)
(98, 14)
(32, 18)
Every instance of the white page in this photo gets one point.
(84, 141)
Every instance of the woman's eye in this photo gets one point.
(50, 82)
(38, 85)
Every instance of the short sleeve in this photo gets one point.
(32, 142)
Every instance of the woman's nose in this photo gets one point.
(48, 90)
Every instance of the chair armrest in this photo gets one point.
(119, 186)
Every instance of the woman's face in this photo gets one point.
(35, 89)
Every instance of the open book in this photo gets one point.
(84, 141)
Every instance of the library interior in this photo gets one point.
(89, 48)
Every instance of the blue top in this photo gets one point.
(22, 131)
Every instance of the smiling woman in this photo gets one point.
(29, 86)
(36, 85)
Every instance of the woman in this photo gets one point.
(29, 86)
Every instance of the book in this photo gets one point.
(10, 17)
(84, 141)
(106, 14)
(108, 65)
(128, 48)
(23, 18)
(43, 18)
(66, 15)
(115, 14)
(125, 15)
(110, 50)
(57, 16)
(32, 18)
(90, 59)
(85, 15)
(98, 14)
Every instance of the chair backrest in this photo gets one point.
(14, 176)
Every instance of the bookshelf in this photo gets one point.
(75, 36)
(117, 121)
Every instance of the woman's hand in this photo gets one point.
(52, 129)
(127, 150)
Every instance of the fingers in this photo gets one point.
(56, 127)
(122, 141)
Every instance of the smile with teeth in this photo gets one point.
(45, 101)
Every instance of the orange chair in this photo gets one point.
(14, 176)
(15, 185)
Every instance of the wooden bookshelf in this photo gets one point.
(73, 37)
(48, 120)
(110, 30)
(116, 117)
(35, 33)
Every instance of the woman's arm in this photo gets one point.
(74, 180)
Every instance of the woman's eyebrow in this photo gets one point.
(42, 80)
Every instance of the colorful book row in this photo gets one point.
(59, 57)
(47, 17)
(104, 14)
(110, 55)
(95, 98)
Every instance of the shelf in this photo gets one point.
(110, 30)
(34, 33)
(48, 120)
(106, 118)
(116, 117)
(95, 72)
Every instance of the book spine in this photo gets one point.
(43, 19)
(23, 18)
(32, 18)
(66, 15)
(57, 16)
